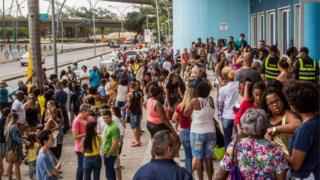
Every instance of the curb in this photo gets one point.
(59, 65)
(58, 52)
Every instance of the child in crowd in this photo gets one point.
(32, 149)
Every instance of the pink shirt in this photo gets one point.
(79, 125)
(153, 116)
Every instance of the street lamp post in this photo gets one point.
(147, 17)
(121, 16)
(59, 20)
(93, 7)
(158, 23)
(54, 33)
(168, 11)
(3, 24)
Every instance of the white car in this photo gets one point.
(24, 59)
(107, 63)
(145, 51)
(131, 54)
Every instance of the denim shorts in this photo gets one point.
(202, 144)
(134, 120)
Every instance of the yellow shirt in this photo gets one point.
(42, 103)
(32, 153)
(95, 147)
(136, 68)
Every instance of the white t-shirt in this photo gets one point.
(167, 65)
(257, 61)
(67, 90)
(19, 108)
(84, 76)
(122, 93)
(228, 95)
(230, 55)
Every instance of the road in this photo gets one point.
(89, 63)
(14, 68)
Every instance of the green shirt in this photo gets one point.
(111, 133)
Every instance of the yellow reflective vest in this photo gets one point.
(271, 69)
(307, 71)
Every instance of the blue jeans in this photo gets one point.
(227, 130)
(120, 104)
(202, 144)
(79, 174)
(92, 164)
(32, 169)
(134, 120)
(109, 167)
(185, 141)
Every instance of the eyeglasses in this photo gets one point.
(273, 102)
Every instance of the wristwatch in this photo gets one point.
(274, 130)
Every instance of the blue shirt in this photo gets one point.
(94, 78)
(118, 72)
(306, 139)
(4, 95)
(44, 165)
(61, 98)
(102, 90)
(164, 169)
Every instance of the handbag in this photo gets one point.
(12, 156)
(235, 172)
(219, 149)
(220, 137)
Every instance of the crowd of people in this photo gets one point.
(267, 106)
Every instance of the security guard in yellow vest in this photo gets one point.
(306, 69)
(270, 68)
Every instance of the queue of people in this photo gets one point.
(266, 106)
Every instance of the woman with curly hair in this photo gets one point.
(283, 122)
(305, 145)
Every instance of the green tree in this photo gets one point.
(135, 22)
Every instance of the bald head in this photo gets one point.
(247, 59)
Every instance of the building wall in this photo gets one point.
(264, 5)
(299, 28)
(201, 18)
(264, 8)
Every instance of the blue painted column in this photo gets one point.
(190, 21)
(311, 32)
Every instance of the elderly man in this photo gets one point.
(162, 166)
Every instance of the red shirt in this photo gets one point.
(185, 122)
(185, 58)
(246, 104)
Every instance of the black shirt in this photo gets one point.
(164, 169)
(2, 124)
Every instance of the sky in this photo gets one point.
(72, 3)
